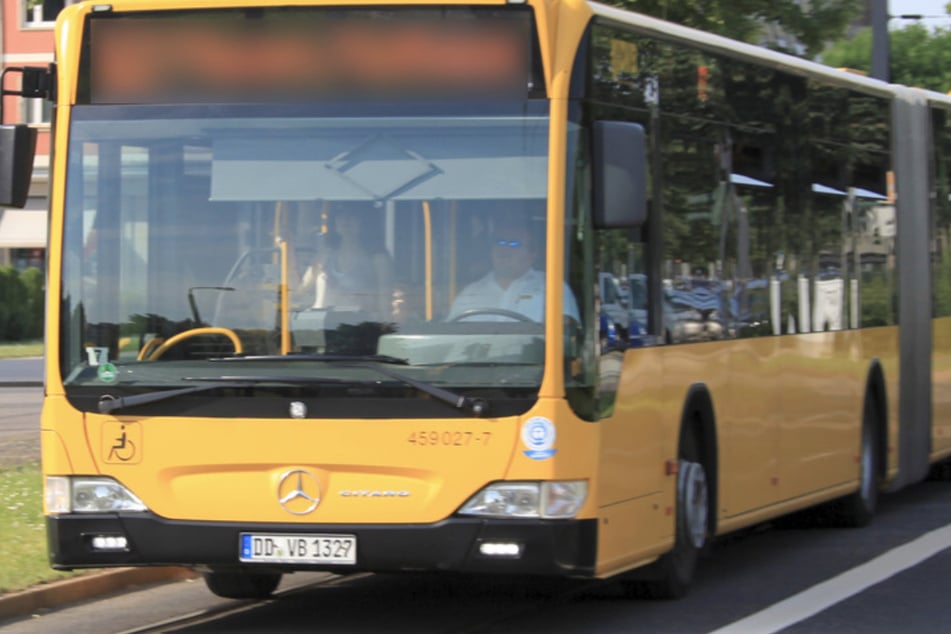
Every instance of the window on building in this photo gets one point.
(42, 12)
(23, 259)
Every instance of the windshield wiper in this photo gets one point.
(108, 403)
(332, 358)
(478, 406)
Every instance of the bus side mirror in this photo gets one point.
(619, 171)
(17, 148)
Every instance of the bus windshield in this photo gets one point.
(288, 239)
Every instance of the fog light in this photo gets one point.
(501, 549)
(110, 542)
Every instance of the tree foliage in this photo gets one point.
(811, 24)
(919, 56)
(21, 304)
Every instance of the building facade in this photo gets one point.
(26, 39)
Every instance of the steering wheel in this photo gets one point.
(152, 355)
(500, 312)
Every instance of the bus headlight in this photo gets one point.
(547, 500)
(89, 495)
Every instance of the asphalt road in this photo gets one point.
(20, 410)
(28, 370)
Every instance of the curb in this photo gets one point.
(58, 593)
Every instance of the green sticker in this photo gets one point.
(107, 373)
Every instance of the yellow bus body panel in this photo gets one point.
(788, 422)
(941, 388)
(369, 471)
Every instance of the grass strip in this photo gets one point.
(19, 349)
(23, 530)
(22, 527)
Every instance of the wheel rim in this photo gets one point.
(867, 476)
(692, 491)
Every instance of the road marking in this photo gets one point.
(810, 602)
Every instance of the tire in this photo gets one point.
(857, 509)
(242, 585)
(671, 575)
(940, 471)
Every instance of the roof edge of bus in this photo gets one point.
(714, 43)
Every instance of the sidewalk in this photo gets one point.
(53, 595)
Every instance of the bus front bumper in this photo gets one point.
(546, 547)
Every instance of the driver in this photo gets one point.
(512, 284)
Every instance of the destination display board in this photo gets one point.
(303, 52)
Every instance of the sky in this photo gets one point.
(921, 7)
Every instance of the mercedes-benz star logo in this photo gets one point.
(298, 492)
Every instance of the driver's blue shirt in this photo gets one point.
(525, 295)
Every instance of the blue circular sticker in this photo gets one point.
(538, 434)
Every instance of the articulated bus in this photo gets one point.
(776, 234)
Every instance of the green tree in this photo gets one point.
(811, 24)
(34, 282)
(919, 56)
(14, 314)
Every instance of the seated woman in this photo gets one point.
(354, 270)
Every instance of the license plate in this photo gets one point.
(298, 548)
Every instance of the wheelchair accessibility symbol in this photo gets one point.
(121, 443)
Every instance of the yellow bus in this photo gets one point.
(325, 279)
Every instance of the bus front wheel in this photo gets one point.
(242, 585)
(670, 576)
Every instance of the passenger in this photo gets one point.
(513, 284)
(354, 270)
(406, 307)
